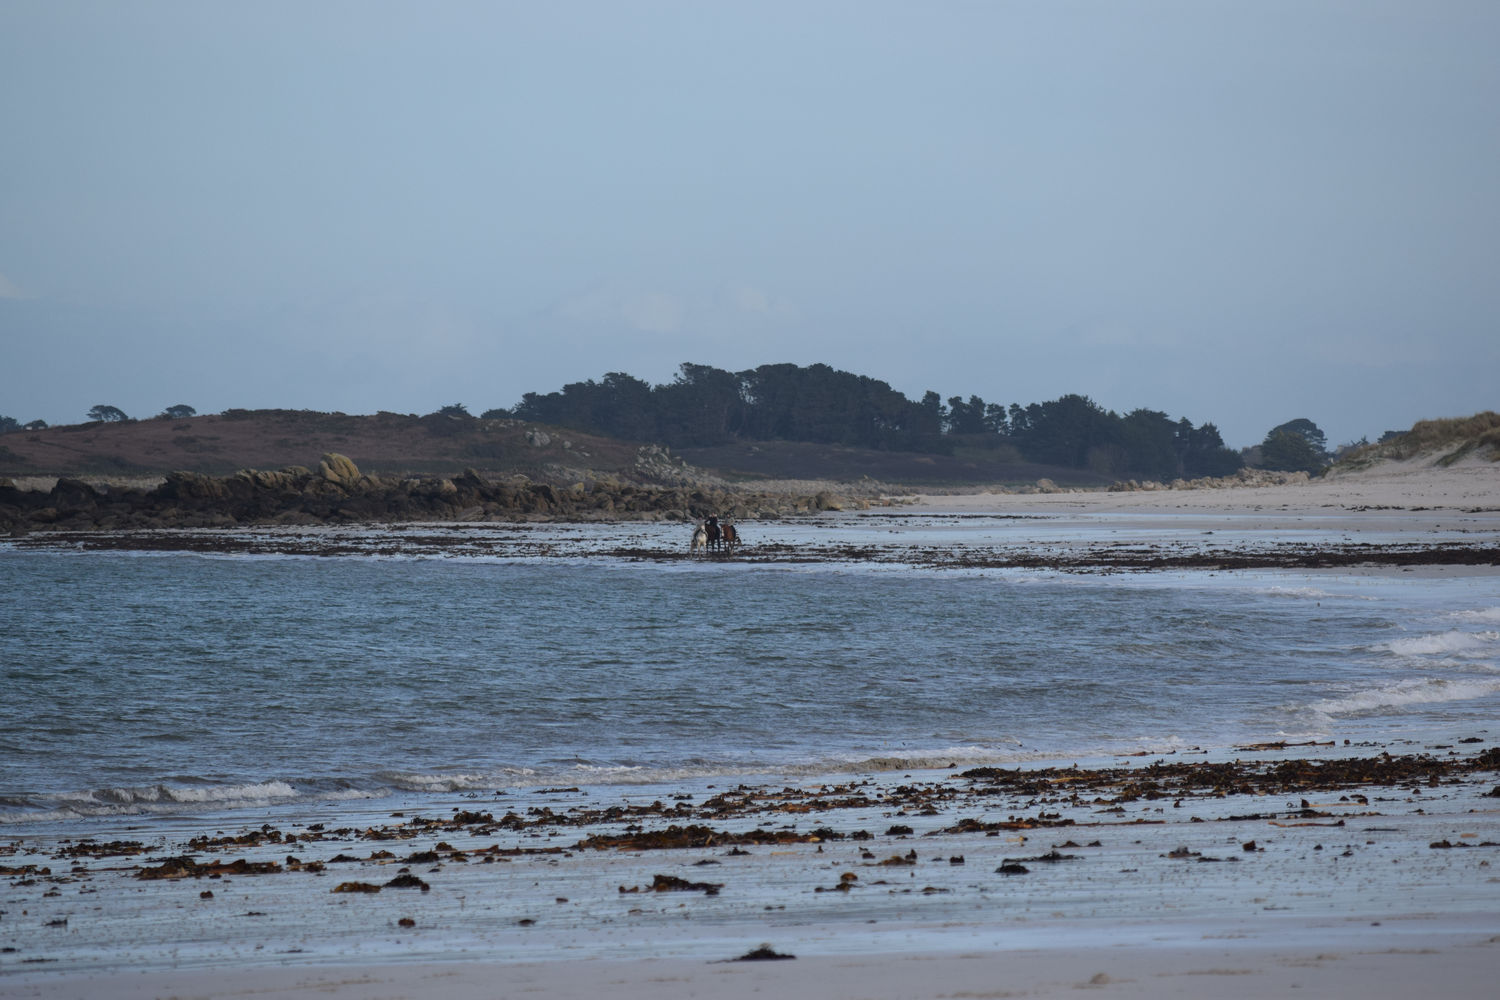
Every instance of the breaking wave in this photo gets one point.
(1451, 643)
(1403, 694)
(162, 799)
(1481, 615)
(1311, 594)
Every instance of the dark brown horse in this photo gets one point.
(715, 533)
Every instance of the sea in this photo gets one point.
(399, 665)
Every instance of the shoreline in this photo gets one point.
(338, 494)
(1265, 857)
(1366, 867)
(1399, 516)
(1090, 542)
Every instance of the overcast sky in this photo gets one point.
(1233, 212)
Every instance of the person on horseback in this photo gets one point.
(711, 526)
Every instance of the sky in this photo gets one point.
(1238, 213)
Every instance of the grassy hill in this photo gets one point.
(385, 444)
(392, 444)
(1437, 442)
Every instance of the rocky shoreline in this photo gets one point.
(338, 493)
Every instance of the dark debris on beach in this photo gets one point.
(1049, 820)
(1040, 795)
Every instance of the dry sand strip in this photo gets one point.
(1408, 496)
(1398, 964)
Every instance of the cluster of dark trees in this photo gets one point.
(705, 406)
(1295, 446)
(1075, 431)
(709, 406)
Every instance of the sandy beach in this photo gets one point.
(1339, 870)
(1455, 962)
(1333, 868)
(1412, 495)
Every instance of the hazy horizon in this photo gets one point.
(1235, 213)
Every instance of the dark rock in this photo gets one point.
(407, 881)
(765, 953)
(70, 495)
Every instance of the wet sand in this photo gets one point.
(1372, 965)
(1349, 869)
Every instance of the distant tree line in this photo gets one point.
(705, 406)
(99, 413)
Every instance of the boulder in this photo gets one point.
(337, 469)
(322, 487)
(471, 479)
(191, 486)
(73, 494)
(280, 482)
(828, 501)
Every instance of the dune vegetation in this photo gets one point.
(1447, 440)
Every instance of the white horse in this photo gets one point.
(700, 541)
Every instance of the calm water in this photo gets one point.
(159, 683)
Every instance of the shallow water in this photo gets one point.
(189, 682)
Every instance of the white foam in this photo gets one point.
(1450, 643)
(1481, 615)
(1311, 593)
(412, 782)
(198, 794)
(163, 800)
(1404, 693)
(605, 774)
